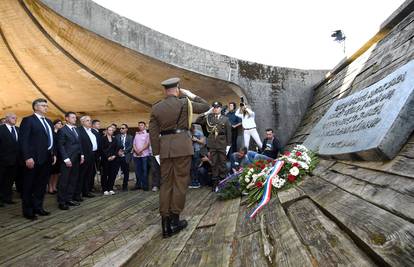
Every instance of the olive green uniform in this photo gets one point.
(170, 138)
(219, 129)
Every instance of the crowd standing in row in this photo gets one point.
(64, 159)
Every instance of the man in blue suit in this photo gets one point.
(36, 144)
(70, 151)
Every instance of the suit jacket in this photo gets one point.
(86, 143)
(68, 143)
(128, 145)
(33, 140)
(109, 148)
(165, 115)
(9, 147)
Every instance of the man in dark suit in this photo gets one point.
(70, 149)
(96, 125)
(36, 144)
(9, 155)
(124, 155)
(90, 149)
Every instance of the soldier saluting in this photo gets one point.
(170, 139)
(218, 141)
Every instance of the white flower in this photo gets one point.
(278, 182)
(303, 165)
(249, 185)
(291, 160)
(254, 176)
(247, 180)
(294, 171)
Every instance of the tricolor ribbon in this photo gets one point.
(268, 187)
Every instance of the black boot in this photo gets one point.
(176, 224)
(166, 227)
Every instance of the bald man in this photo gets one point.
(9, 155)
(90, 146)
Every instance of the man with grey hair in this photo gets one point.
(90, 148)
(9, 155)
(38, 152)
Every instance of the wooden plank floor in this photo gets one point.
(297, 228)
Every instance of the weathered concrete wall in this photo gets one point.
(279, 95)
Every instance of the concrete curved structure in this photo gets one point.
(87, 59)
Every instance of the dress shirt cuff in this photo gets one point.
(66, 160)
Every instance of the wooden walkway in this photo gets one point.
(314, 224)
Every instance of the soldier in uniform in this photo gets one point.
(218, 141)
(170, 140)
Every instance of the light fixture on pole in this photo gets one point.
(339, 37)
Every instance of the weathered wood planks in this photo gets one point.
(388, 239)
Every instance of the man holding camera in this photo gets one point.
(218, 140)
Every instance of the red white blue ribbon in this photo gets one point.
(268, 187)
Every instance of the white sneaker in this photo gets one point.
(154, 189)
(106, 193)
(112, 192)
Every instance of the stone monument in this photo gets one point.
(371, 124)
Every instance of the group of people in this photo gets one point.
(219, 154)
(190, 154)
(62, 158)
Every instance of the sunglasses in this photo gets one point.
(122, 128)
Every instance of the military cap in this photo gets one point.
(170, 83)
(216, 104)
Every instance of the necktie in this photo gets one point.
(49, 138)
(123, 142)
(13, 131)
(74, 132)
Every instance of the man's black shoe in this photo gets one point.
(90, 195)
(9, 202)
(166, 227)
(30, 216)
(63, 207)
(78, 199)
(1, 204)
(72, 203)
(176, 224)
(42, 212)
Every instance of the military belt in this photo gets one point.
(173, 131)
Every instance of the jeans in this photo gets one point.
(252, 156)
(124, 165)
(252, 133)
(194, 163)
(141, 172)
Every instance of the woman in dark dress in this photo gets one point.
(110, 149)
(52, 187)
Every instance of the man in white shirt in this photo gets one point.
(89, 143)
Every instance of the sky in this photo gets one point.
(289, 33)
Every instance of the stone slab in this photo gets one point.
(371, 124)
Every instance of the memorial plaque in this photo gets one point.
(371, 124)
